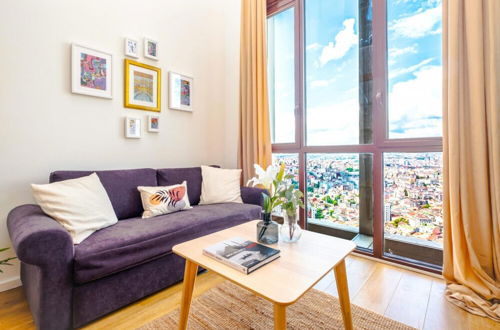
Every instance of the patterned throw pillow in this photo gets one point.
(163, 200)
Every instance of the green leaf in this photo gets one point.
(267, 202)
(275, 185)
(281, 172)
(278, 203)
(6, 261)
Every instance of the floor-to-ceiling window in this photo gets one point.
(355, 102)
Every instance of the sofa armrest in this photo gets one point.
(46, 252)
(37, 238)
(251, 195)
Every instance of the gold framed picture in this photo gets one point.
(142, 86)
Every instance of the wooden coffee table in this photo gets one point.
(284, 280)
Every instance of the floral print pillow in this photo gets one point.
(163, 200)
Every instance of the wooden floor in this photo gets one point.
(412, 298)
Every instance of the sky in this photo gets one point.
(281, 80)
(332, 71)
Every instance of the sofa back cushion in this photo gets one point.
(192, 176)
(121, 186)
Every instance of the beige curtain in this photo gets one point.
(254, 139)
(471, 30)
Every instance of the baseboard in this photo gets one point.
(399, 265)
(10, 283)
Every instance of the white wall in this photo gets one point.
(44, 127)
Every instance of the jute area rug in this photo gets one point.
(227, 306)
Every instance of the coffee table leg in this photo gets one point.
(187, 292)
(279, 317)
(345, 304)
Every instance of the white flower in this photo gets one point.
(264, 178)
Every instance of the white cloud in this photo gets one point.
(420, 24)
(429, 2)
(395, 52)
(321, 82)
(344, 40)
(398, 72)
(334, 124)
(313, 46)
(415, 106)
(284, 130)
(415, 110)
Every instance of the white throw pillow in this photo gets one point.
(80, 205)
(163, 200)
(220, 186)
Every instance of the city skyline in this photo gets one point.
(412, 191)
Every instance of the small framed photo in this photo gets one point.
(153, 123)
(151, 49)
(180, 92)
(132, 128)
(91, 72)
(131, 47)
(142, 86)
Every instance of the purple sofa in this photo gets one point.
(70, 285)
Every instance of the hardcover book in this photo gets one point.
(241, 254)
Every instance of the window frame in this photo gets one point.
(380, 138)
(279, 7)
(275, 7)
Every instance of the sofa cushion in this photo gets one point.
(134, 241)
(192, 175)
(220, 185)
(160, 200)
(80, 205)
(121, 186)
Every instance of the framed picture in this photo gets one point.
(151, 49)
(132, 128)
(142, 86)
(180, 92)
(153, 123)
(91, 72)
(131, 48)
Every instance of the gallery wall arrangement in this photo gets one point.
(92, 72)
